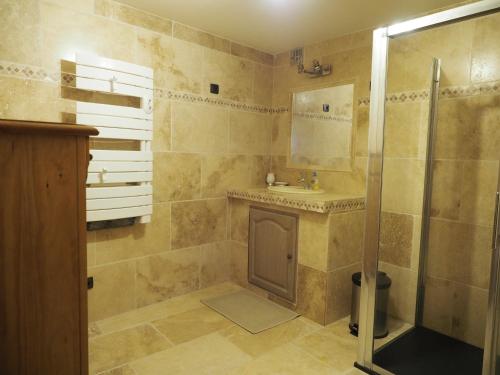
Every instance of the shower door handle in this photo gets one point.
(496, 223)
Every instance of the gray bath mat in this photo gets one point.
(253, 313)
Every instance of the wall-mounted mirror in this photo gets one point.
(322, 128)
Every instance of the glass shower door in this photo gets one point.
(491, 360)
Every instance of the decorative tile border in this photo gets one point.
(8, 68)
(67, 79)
(400, 97)
(24, 71)
(322, 206)
(484, 88)
(471, 90)
(195, 98)
(321, 116)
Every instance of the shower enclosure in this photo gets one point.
(432, 195)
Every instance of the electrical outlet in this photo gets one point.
(90, 282)
(214, 88)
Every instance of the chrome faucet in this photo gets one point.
(304, 181)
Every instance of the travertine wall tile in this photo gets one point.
(280, 135)
(233, 74)
(115, 291)
(199, 128)
(447, 177)
(338, 292)
(239, 218)
(133, 16)
(401, 137)
(251, 54)
(223, 172)
(198, 222)
(215, 263)
(249, 133)
(179, 176)
(462, 122)
(239, 262)
(311, 293)
(313, 240)
(20, 27)
(162, 125)
(396, 239)
(403, 186)
(138, 240)
(167, 275)
(456, 309)
(403, 292)
(485, 49)
(459, 252)
(345, 244)
(263, 84)
(202, 38)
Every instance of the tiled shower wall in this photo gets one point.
(465, 175)
(203, 143)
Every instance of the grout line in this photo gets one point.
(162, 334)
(163, 252)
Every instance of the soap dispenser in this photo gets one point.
(315, 181)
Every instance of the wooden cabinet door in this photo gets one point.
(272, 251)
(43, 291)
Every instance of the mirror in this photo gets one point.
(321, 130)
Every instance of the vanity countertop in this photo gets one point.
(323, 203)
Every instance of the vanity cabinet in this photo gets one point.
(272, 246)
(43, 270)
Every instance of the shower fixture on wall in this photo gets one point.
(317, 70)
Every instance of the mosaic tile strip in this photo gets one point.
(195, 98)
(67, 79)
(315, 205)
(400, 97)
(8, 68)
(486, 88)
(24, 71)
(321, 116)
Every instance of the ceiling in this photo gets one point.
(279, 25)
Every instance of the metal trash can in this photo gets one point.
(381, 300)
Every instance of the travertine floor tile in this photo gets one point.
(191, 324)
(182, 336)
(262, 343)
(210, 354)
(118, 348)
(332, 345)
(123, 370)
(163, 309)
(285, 360)
(354, 371)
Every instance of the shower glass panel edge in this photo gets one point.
(375, 167)
(491, 356)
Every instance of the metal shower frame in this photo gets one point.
(374, 183)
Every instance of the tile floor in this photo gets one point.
(182, 336)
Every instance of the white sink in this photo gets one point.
(294, 190)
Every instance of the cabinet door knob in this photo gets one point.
(289, 256)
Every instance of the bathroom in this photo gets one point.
(276, 187)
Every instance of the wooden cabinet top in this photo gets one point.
(38, 127)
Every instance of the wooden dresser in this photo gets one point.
(43, 271)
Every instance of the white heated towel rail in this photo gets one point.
(119, 183)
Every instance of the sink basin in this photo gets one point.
(294, 190)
